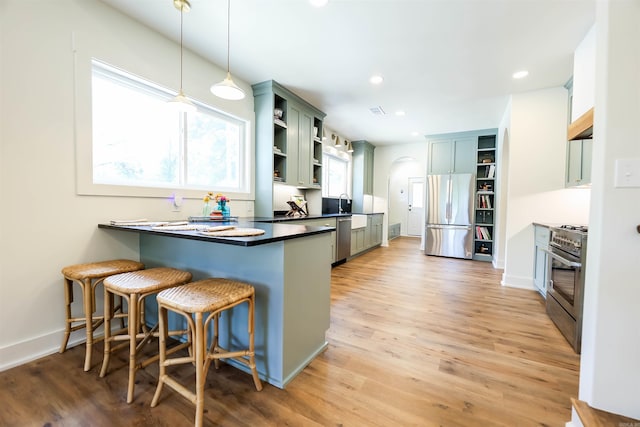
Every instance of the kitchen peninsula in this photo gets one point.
(289, 266)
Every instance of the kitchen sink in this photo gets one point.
(358, 221)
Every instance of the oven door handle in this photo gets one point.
(563, 260)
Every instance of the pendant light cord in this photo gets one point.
(181, 17)
(228, 35)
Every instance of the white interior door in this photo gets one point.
(415, 206)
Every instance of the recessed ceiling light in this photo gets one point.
(414, 133)
(400, 113)
(520, 74)
(376, 79)
(319, 3)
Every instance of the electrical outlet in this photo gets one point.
(176, 202)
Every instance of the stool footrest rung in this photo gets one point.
(186, 393)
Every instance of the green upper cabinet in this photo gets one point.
(362, 173)
(452, 155)
(288, 146)
(579, 162)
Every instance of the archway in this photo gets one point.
(403, 174)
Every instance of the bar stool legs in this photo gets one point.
(88, 277)
(134, 288)
(211, 296)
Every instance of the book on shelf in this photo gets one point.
(482, 233)
(491, 172)
(484, 201)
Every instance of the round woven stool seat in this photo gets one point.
(151, 280)
(88, 276)
(96, 270)
(205, 295)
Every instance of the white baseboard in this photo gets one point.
(520, 282)
(26, 351)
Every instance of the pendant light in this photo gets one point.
(180, 102)
(227, 89)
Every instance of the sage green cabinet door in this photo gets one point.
(357, 240)
(464, 155)
(579, 162)
(440, 157)
(452, 156)
(299, 143)
(305, 140)
(293, 137)
(587, 148)
(368, 171)
(377, 223)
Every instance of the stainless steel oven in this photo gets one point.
(565, 294)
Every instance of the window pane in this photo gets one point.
(139, 141)
(335, 179)
(134, 136)
(213, 151)
(417, 190)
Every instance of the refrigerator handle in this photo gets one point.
(448, 211)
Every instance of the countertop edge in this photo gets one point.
(237, 241)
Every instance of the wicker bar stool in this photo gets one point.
(212, 296)
(134, 287)
(89, 276)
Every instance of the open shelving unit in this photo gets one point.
(317, 153)
(280, 140)
(485, 198)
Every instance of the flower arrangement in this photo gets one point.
(207, 198)
(221, 198)
(221, 208)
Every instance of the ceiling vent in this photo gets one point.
(377, 111)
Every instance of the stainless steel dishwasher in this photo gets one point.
(343, 238)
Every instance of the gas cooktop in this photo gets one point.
(582, 228)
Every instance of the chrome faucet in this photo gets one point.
(340, 210)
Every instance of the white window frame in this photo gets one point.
(84, 154)
(327, 157)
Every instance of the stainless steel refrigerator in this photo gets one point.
(449, 228)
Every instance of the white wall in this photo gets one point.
(384, 158)
(610, 363)
(535, 178)
(45, 224)
(400, 172)
(584, 75)
(502, 185)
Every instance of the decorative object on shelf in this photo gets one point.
(223, 206)
(277, 113)
(227, 89)
(180, 102)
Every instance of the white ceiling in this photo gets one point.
(446, 63)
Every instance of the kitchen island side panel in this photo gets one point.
(281, 353)
(307, 299)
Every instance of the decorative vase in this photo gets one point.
(222, 207)
(206, 209)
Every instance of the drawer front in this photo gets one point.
(319, 222)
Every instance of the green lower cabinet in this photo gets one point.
(367, 237)
(358, 240)
(321, 222)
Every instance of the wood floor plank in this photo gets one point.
(413, 341)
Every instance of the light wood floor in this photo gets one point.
(414, 341)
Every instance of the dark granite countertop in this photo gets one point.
(274, 232)
(283, 218)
